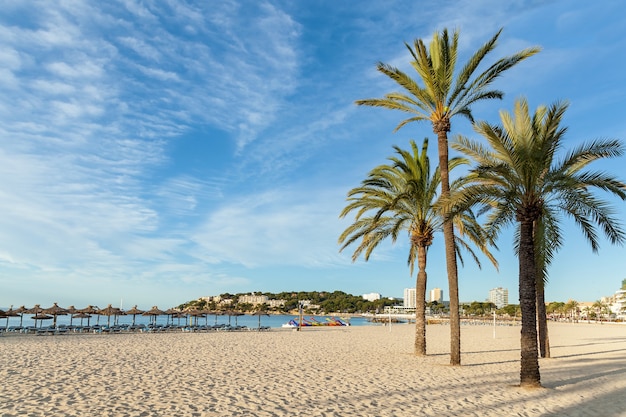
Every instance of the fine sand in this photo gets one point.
(355, 371)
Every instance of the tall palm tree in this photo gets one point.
(444, 95)
(398, 197)
(519, 178)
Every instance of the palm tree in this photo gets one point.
(572, 308)
(519, 179)
(600, 308)
(441, 98)
(400, 197)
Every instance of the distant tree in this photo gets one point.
(572, 309)
(510, 310)
(600, 307)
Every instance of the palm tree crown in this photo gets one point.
(518, 179)
(443, 96)
(401, 197)
(394, 198)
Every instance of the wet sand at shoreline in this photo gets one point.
(351, 371)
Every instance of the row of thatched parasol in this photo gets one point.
(41, 314)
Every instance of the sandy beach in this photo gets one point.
(354, 371)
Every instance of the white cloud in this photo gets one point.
(279, 227)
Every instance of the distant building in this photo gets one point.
(373, 296)
(436, 294)
(275, 303)
(618, 307)
(253, 299)
(499, 296)
(409, 298)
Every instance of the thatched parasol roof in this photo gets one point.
(110, 311)
(12, 313)
(88, 310)
(35, 310)
(55, 311)
(134, 311)
(154, 311)
(260, 313)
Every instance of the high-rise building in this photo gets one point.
(409, 298)
(499, 296)
(436, 294)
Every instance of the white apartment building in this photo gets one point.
(253, 299)
(499, 296)
(409, 298)
(436, 294)
(618, 306)
(275, 303)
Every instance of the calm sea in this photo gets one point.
(273, 321)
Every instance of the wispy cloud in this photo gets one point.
(187, 143)
(278, 227)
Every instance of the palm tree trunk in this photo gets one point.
(529, 372)
(420, 303)
(542, 322)
(448, 236)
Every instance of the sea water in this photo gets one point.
(273, 320)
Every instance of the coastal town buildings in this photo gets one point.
(254, 299)
(409, 298)
(618, 302)
(275, 303)
(436, 294)
(499, 296)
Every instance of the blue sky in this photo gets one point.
(158, 151)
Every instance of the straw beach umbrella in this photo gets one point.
(89, 310)
(35, 311)
(134, 311)
(194, 313)
(109, 311)
(171, 313)
(217, 313)
(42, 317)
(55, 311)
(20, 310)
(71, 310)
(232, 313)
(260, 313)
(206, 313)
(11, 313)
(81, 316)
(153, 313)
